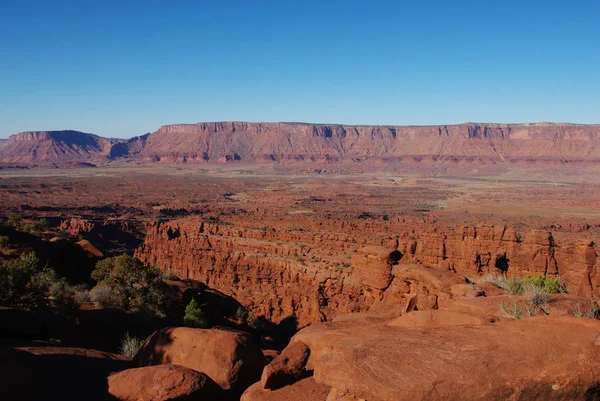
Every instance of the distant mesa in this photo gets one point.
(52, 147)
(327, 144)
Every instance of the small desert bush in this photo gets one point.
(195, 316)
(537, 298)
(59, 289)
(512, 310)
(103, 296)
(592, 311)
(42, 225)
(4, 240)
(537, 301)
(513, 286)
(130, 345)
(81, 295)
(15, 220)
(545, 284)
(241, 314)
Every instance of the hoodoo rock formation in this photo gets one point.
(221, 142)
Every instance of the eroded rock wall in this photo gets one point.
(279, 273)
(271, 278)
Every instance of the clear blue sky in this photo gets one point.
(125, 68)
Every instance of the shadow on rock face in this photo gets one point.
(49, 373)
(593, 394)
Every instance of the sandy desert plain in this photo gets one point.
(407, 283)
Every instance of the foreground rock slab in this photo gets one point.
(542, 358)
(228, 357)
(57, 373)
(162, 383)
(303, 390)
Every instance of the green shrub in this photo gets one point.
(23, 284)
(134, 286)
(516, 286)
(42, 225)
(544, 284)
(241, 314)
(18, 282)
(36, 226)
(29, 227)
(59, 289)
(45, 278)
(15, 220)
(195, 316)
(4, 240)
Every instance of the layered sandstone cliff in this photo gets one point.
(223, 142)
(294, 142)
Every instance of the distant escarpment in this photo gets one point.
(289, 143)
(295, 142)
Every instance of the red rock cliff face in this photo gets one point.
(295, 142)
(277, 273)
(256, 267)
(489, 249)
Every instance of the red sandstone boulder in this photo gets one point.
(287, 367)
(303, 390)
(228, 357)
(162, 383)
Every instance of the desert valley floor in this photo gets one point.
(381, 279)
